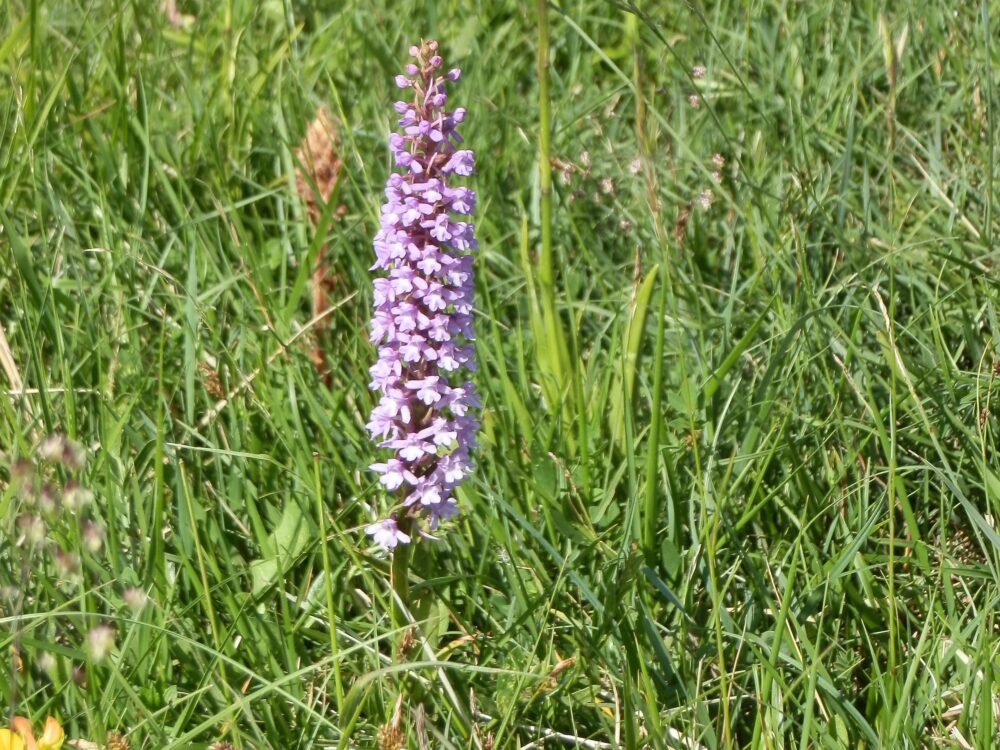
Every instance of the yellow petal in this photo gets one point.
(10, 741)
(23, 728)
(53, 736)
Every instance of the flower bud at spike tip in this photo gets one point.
(422, 325)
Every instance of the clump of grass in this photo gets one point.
(750, 504)
(57, 541)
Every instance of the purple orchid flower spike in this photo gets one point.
(422, 324)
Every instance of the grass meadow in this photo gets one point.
(737, 301)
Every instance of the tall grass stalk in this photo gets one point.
(553, 350)
(329, 584)
(653, 491)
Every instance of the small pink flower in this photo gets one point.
(387, 534)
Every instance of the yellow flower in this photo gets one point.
(53, 736)
(22, 738)
(10, 741)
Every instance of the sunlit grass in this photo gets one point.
(744, 496)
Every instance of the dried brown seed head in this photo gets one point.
(319, 164)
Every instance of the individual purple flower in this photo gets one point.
(387, 533)
(422, 324)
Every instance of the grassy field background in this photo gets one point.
(738, 481)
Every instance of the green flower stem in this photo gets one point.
(400, 580)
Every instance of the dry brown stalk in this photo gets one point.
(316, 176)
